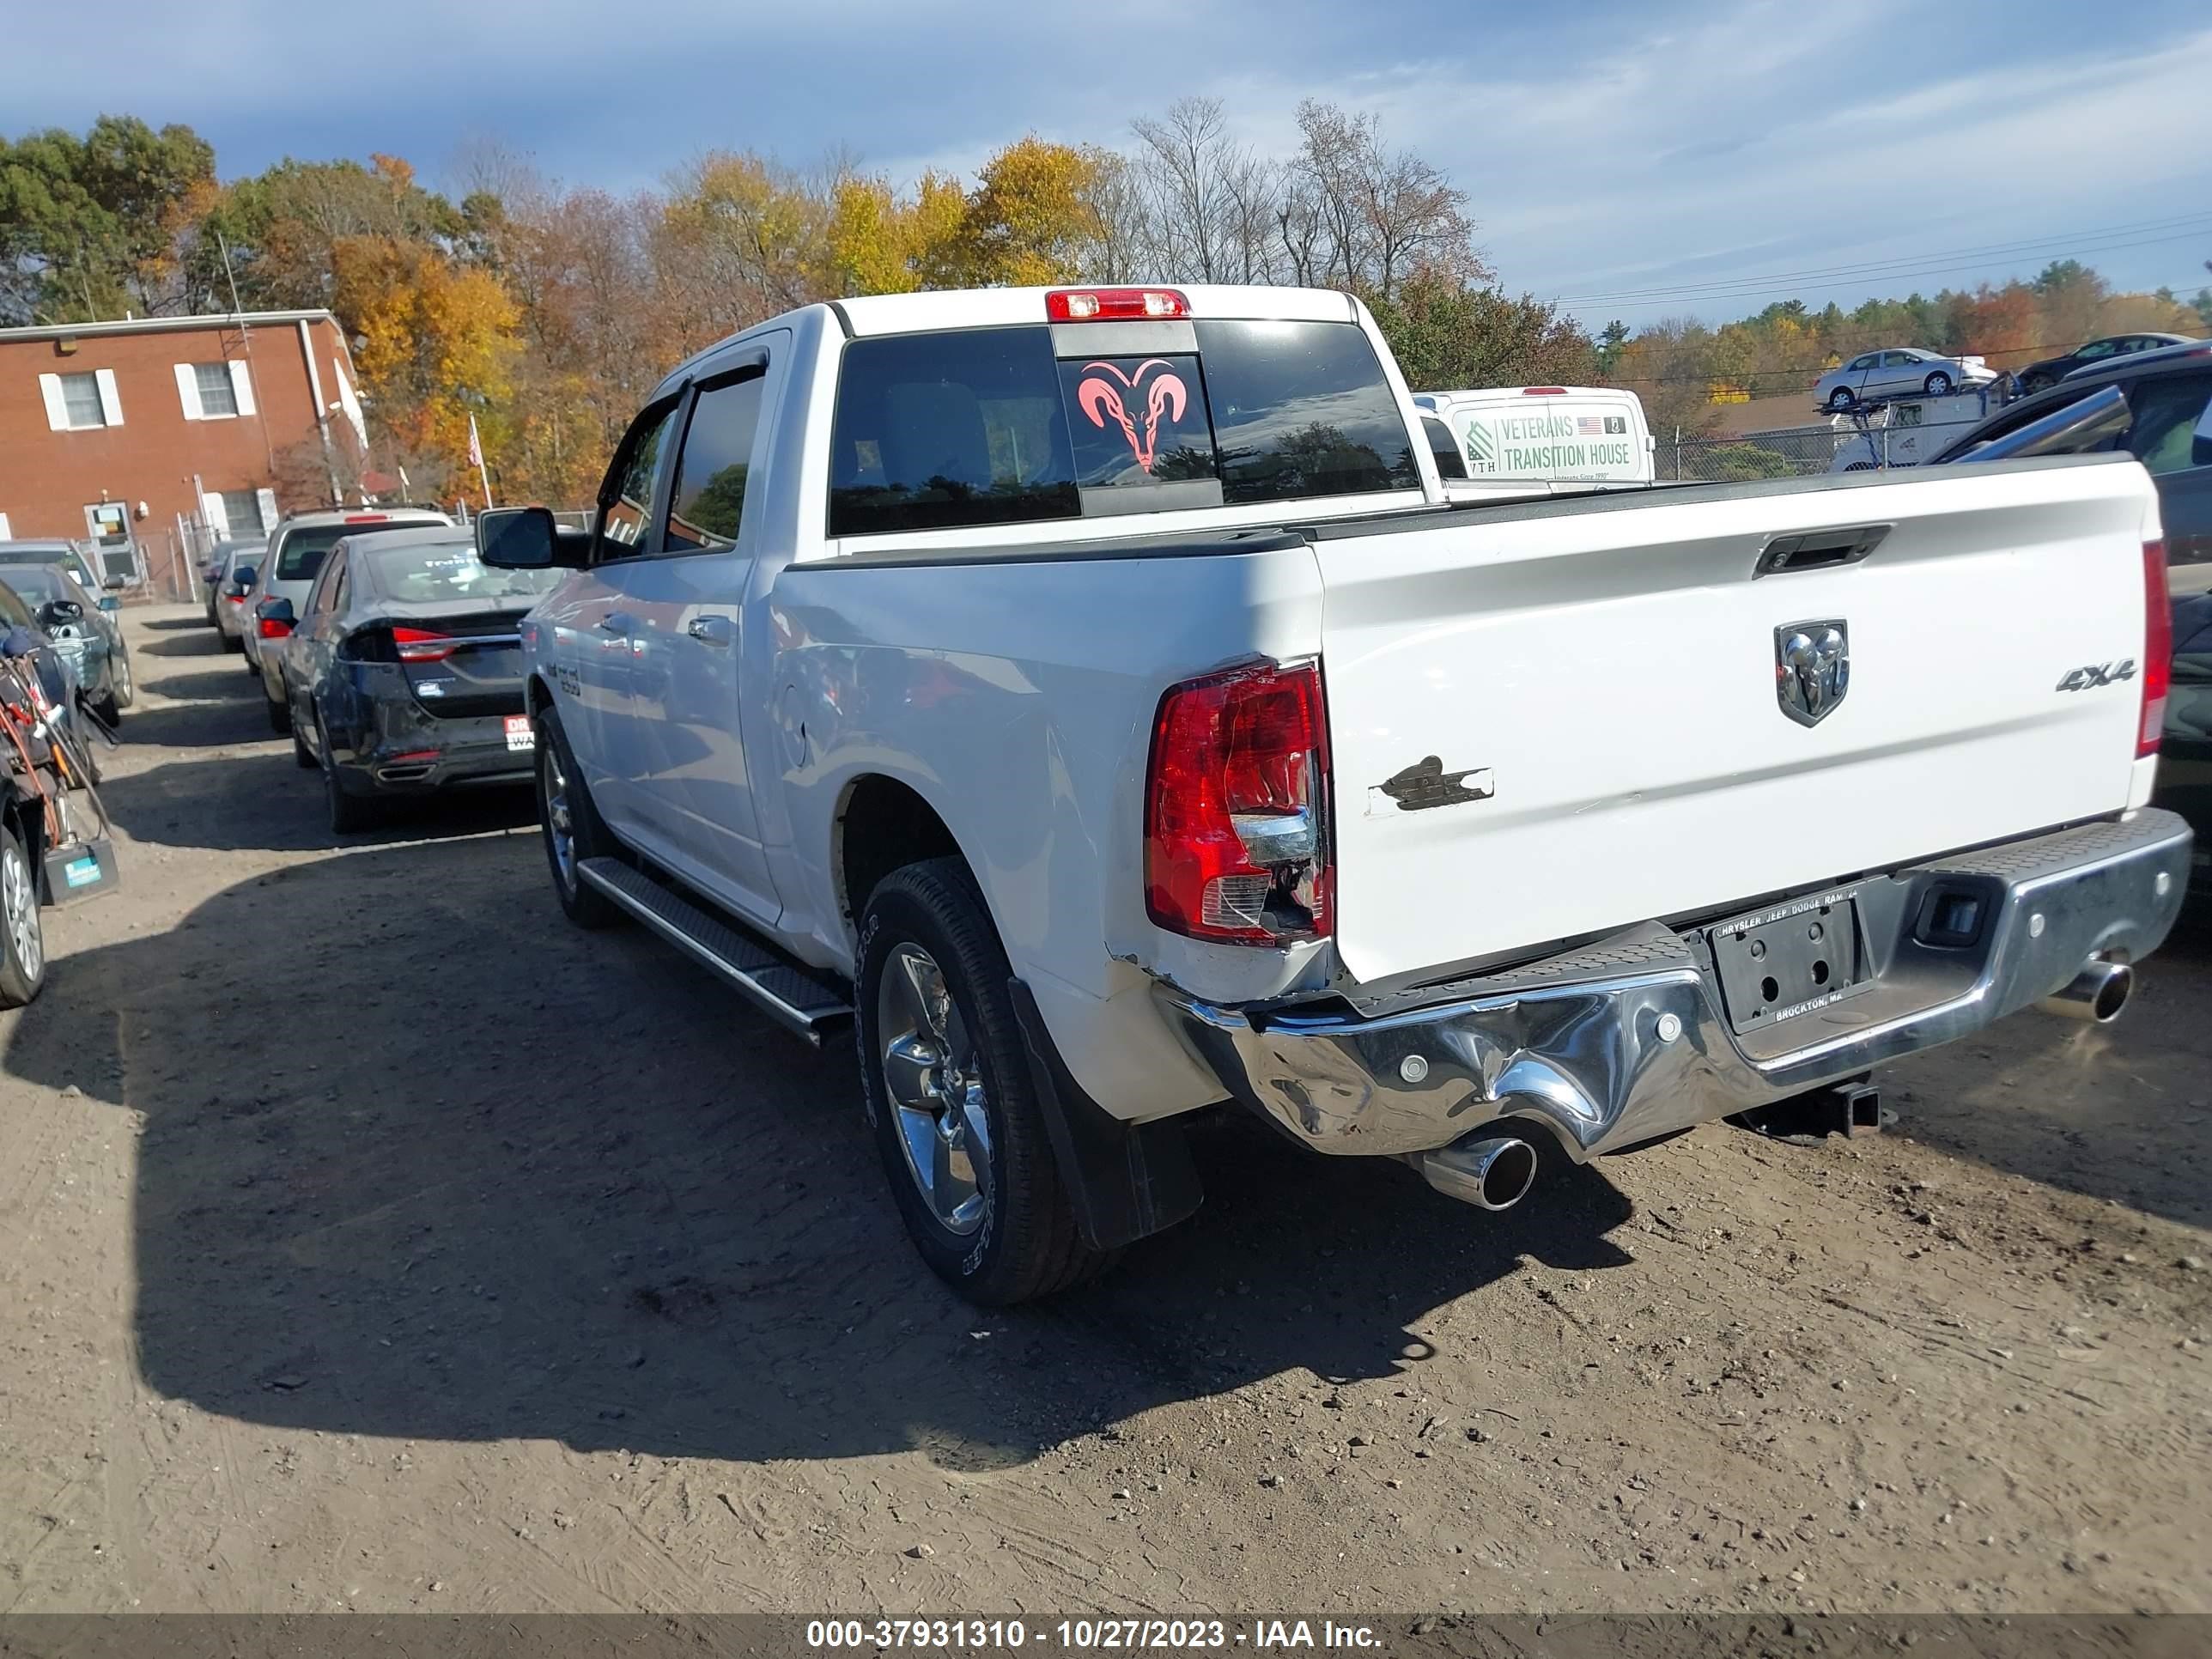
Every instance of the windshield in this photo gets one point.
(14, 613)
(424, 572)
(302, 556)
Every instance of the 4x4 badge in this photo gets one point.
(1812, 668)
(2095, 674)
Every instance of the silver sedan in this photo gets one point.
(1897, 372)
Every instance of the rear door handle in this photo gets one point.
(710, 631)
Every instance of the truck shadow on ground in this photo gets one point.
(418, 1160)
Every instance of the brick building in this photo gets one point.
(160, 435)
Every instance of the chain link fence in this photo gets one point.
(1892, 437)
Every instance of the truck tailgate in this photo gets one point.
(1605, 673)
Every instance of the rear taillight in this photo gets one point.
(1099, 305)
(2158, 649)
(1543, 392)
(420, 645)
(273, 629)
(1235, 808)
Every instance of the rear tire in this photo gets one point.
(943, 1068)
(570, 827)
(302, 757)
(349, 814)
(231, 642)
(22, 934)
(280, 712)
(1841, 399)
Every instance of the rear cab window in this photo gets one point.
(1035, 422)
(299, 559)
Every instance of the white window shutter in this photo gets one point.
(50, 388)
(266, 500)
(211, 510)
(111, 404)
(241, 387)
(188, 392)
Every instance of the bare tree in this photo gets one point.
(1361, 216)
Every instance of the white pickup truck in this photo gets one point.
(1091, 694)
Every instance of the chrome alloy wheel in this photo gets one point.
(19, 908)
(560, 822)
(934, 1077)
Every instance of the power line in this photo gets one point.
(1903, 266)
(1862, 267)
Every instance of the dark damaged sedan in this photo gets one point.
(404, 671)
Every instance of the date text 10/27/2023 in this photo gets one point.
(1090, 1635)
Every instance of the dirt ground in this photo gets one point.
(370, 1239)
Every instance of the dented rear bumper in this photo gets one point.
(1617, 1044)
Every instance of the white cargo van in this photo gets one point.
(1569, 438)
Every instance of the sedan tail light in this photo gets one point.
(1235, 808)
(422, 645)
(273, 629)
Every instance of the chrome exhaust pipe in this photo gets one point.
(2098, 992)
(1492, 1174)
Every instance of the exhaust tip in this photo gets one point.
(1494, 1173)
(2098, 992)
(2113, 995)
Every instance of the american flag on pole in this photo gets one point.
(475, 445)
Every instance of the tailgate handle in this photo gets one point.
(1819, 550)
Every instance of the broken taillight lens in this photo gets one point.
(2158, 649)
(1235, 819)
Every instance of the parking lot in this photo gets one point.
(371, 1242)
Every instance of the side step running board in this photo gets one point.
(796, 997)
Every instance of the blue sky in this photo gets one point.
(1633, 160)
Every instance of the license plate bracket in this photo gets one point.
(1788, 960)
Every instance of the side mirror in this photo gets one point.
(527, 538)
(59, 613)
(109, 602)
(112, 585)
(275, 609)
(242, 579)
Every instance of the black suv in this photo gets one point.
(2169, 430)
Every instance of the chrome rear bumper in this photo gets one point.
(1619, 1043)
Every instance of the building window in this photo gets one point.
(81, 396)
(217, 397)
(241, 513)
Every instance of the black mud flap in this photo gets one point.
(81, 870)
(1126, 1180)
